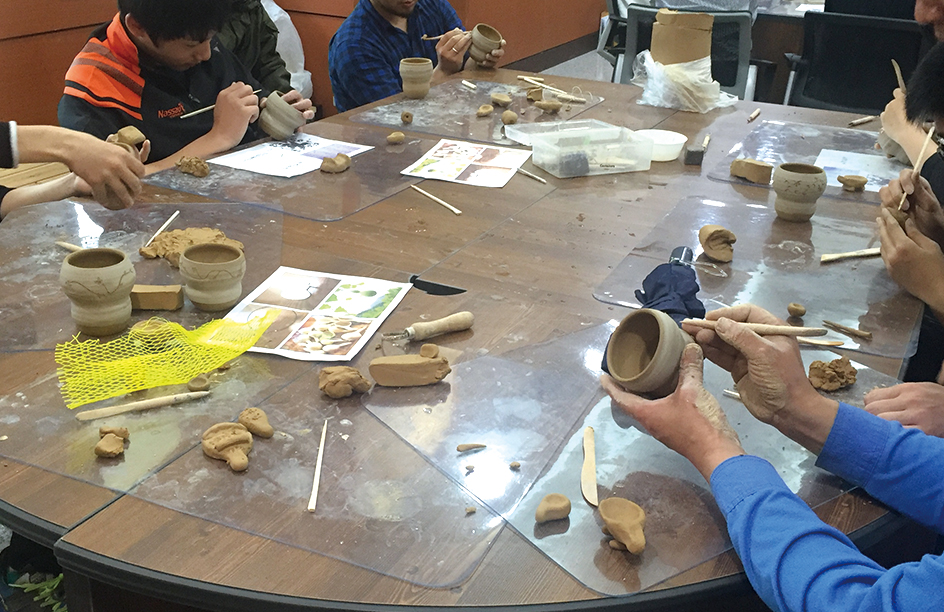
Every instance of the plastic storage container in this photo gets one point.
(523, 132)
(601, 149)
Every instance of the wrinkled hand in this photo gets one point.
(913, 260)
(494, 56)
(236, 107)
(302, 105)
(451, 50)
(109, 173)
(690, 421)
(919, 405)
(894, 119)
(921, 204)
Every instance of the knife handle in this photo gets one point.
(455, 322)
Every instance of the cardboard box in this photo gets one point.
(680, 37)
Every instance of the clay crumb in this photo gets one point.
(395, 138)
(406, 117)
(832, 376)
(553, 507)
(535, 94)
(467, 447)
(341, 381)
(121, 432)
(795, 309)
(193, 165)
(199, 383)
(469, 510)
(514, 465)
(256, 421)
(110, 446)
(469, 469)
(225, 366)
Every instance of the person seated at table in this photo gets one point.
(104, 170)
(250, 34)
(364, 54)
(156, 61)
(794, 560)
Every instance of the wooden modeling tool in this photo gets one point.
(522, 77)
(532, 176)
(469, 84)
(820, 342)
(901, 81)
(862, 120)
(428, 37)
(763, 329)
(753, 115)
(562, 95)
(313, 500)
(68, 246)
(163, 227)
(200, 111)
(861, 253)
(918, 164)
(588, 473)
(732, 394)
(154, 402)
(437, 200)
(421, 331)
(845, 329)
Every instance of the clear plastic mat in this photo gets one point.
(35, 313)
(778, 142)
(777, 262)
(374, 176)
(449, 111)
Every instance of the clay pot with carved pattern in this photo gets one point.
(797, 186)
(416, 73)
(98, 283)
(213, 275)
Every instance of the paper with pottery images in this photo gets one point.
(299, 154)
(322, 317)
(465, 162)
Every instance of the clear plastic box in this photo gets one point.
(586, 150)
(523, 132)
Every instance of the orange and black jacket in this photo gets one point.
(109, 86)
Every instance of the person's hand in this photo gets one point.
(690, 421)
(81, 187)
(894, 119)
(913, 260)
(921, 203)
(107, 172)
(919, 405)
(451, 50)
(236, 107)
(493, 57)
(302, 105)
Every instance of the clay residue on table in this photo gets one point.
(341, 381)
(170, 245)
(193, 165)
(833, 375)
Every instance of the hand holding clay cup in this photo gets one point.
(643, 352)
(415, 73)
(98, 282)
(279, 119)
(797, 186)
(485, 39)
(109, 173)
(213, 275)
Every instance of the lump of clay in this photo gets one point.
(467, 447)
(199, 383)
(553, 507)
(718, 242)
(193, 165)
(501, 99)
(110, 446)
(121, 432)
(337, 164)
(836, 374)
(410, 370)
(852, 182)
(341, 381)
(395, 138)
(230, 442)
(485, 110)
(752, 170)
(535, 94)
(170, 245)
(796, 310)
(509, 117)
(256, 421)
(549, 106)
(625, 521)
(406, 117)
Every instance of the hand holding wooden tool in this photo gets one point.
(918, 163)
(763, 329)
(421, 331)
(154, 402)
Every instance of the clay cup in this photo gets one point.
(644, 351)
(213, 275)
(485, 39)
(416, 72)
(98, 283)
(798, 186)
(279, 119)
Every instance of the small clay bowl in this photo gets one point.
(644, 351)
(485, 39)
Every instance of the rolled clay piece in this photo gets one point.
(341, 381)
(500, 99)
(430, 351)
(198, 383)
(256, 421)
(718, 242)
(509, 117)
(193, 165)
(110, 446)
(335, 165)
(467, 447)
(852, 182)
(834, 375)
(406, 117)
(395, 138)
(625, 521)
(121, 432)
(408, 370)
(796, 310)
(485, 110)
(553, 507)
(535, 94)
(230, 442)
(752, 170)
(549, 106)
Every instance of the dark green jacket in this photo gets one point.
(251, 36)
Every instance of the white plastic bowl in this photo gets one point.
(666, 145)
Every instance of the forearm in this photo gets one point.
(911, 140)
(50, 191)
(808, 420)
(46, 143)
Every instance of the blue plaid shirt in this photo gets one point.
(365, 53)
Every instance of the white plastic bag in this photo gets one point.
(687, 86)
(290, 48)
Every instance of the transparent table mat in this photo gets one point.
(778, 142)
(777, 262)
(381, 505)
(449, 111)
(374, 176)
(35, 313)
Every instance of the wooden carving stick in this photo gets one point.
(154, 402)
(852, 331)
(455, 322)
(901, 81)
(829, 257)
(588, 474)
(918, 163)
(763, 329)
(313, 500)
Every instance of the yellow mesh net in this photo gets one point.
(152, 354)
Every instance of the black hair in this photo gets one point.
(925, 99)
(175, 19)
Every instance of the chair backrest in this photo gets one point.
(610, 45)
(892, 9)
(730, 43)
(846, 62)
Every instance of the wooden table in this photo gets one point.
(528, 256)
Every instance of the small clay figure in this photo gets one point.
(199, 383)
(836, 374)
(342, 381)
(625, 521)
(193, 165)
(852, 182)
(256, 421)
(752, 170)
(395, 138)
(337, 164)
(796, 310)
(406, 117)
(501, 99)
(509, 117)
(485, 110)
(718, 242)
(230, 442)
(551, 107)
(553, 507)
(410, 370)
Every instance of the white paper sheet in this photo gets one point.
(298, 155)
(878, 169)
(470, 163)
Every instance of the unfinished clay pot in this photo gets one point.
(213, 275)
(644, 351)
(798, 186)
(416, 72)
(625, 521)
(485, 39)
(98, 283)
(279, 119)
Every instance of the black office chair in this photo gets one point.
(846, 62)
(891, 9)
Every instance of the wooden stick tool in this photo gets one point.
(918, 164)
(313, 500)
(763, 329)
(437, 200)
(163, 227)
(154, 402)
(901, 81)
(427, 329)
(588, 473)
(861, 253)
(200, 111)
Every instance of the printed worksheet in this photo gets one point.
(298, 155)
(470, 163)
